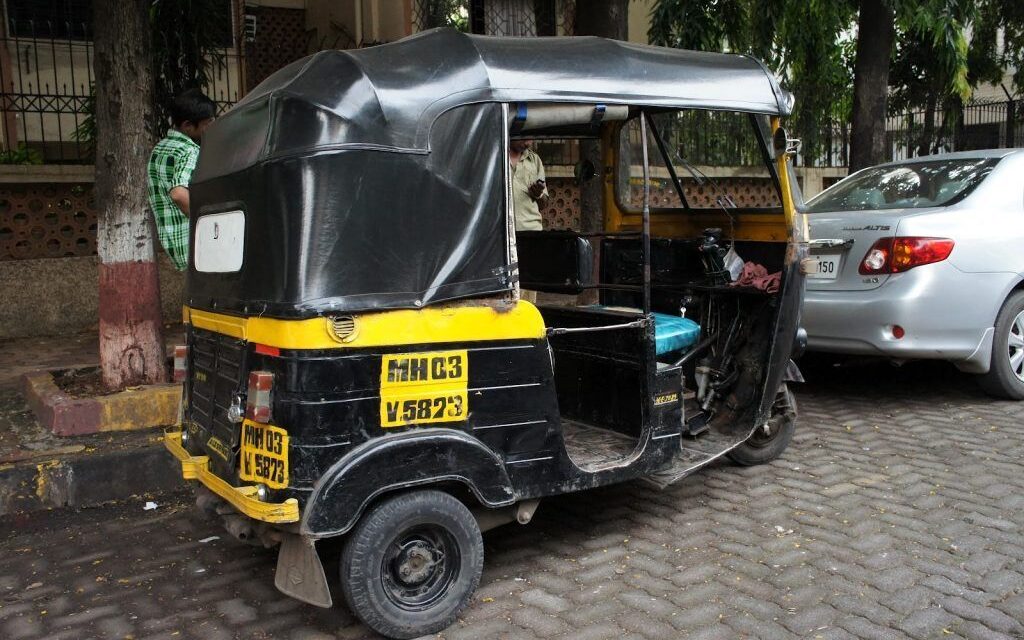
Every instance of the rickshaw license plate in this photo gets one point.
(264, 455)
(424, 388)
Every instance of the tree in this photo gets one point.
(875, 33)
(188, 39)
(607, 19)
(913, 50)
(131, 342)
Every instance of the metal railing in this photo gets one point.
(46, 81)
(979, 125)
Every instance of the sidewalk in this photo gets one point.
(41, 470)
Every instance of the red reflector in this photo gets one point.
(257, 400)
(267, 350)
(180, 363)
(898, 332)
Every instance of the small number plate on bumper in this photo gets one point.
(828, 266)
(264, 455)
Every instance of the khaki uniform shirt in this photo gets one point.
(528, 170)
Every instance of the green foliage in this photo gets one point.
(446, 13)
(21, 155)
(805, 42)
(188, 41)
(86, 130)
(810, 45)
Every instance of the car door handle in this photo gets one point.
(830, 243)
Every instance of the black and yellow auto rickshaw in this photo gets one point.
(360, 365)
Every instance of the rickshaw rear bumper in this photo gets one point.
(241, 498)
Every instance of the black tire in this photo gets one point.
(763, 447)
(412, 564)
(1001, 380)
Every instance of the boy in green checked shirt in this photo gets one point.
(170, 171)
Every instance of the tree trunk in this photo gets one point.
(131, 341)
(927, 138)
(871, 83)
(608, 19)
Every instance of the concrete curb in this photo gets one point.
(88, 479)
(142, 408)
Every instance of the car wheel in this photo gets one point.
(1005, 377)
(412, 563)
(765, 445)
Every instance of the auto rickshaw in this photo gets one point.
(360, 365)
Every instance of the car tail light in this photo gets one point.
(257, 402)
(895, 255)
(180, 363)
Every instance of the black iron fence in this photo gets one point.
(979, 125)
(46, 81)
(46, 104)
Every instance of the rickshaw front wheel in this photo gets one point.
(412, 563)
(767, 444)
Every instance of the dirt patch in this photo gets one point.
(81, 383)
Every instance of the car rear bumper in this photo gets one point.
(946, 315)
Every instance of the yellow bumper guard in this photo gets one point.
(242, 498)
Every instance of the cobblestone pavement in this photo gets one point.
(897, 512)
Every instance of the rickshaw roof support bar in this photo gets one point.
(646, 216)
(669, 165)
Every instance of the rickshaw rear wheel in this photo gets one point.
(765, 445)
(412, 563)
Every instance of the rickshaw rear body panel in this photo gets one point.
(377, 296)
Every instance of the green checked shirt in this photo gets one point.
(171, 165)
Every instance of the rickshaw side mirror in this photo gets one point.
(783, 145)
(780, 142)
(584, 171)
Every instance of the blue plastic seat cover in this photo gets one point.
(672, 333)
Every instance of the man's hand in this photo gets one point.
(536, 190)
(180, 197)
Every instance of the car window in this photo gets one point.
(911, 185)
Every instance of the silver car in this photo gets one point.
(924, 258)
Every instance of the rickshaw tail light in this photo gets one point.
(180, 363)
(257, 401)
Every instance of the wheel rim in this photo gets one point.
(1015, 346)
(762, 436)
(419, 567)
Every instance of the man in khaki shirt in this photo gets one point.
(529, 192)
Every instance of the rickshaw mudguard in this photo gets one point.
(399, 461)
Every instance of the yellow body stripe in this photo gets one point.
(433, 325)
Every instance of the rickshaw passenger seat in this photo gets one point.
(671, 333)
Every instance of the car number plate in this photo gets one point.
(264, 455)
(828, 266)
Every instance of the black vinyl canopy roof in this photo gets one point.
(375, 178)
